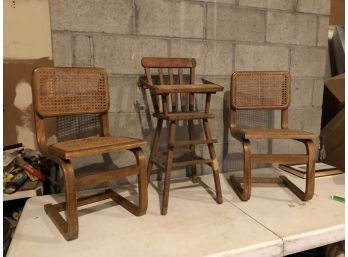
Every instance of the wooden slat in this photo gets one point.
(174, 95)
(192, 162)
(93, 146)
(261, 180)
(182, 95)
(193, 142)
(155, 62)
(279, 158)
(188, 88)
(185, 116)
(103, 176)
(161, 77)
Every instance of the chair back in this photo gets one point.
(69, 91)
(252, 90)
(64, 91)
(170, 71)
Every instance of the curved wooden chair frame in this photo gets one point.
(268, 90)
(75, 91)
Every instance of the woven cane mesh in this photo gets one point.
(67, 91)
(253, 90)
(77, 126)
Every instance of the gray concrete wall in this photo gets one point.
(223, 35)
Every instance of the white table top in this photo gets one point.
(301, 225)
(194, 226)
(24, 193)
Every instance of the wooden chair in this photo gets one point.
(173, 100)
(76, 91)
(268, 90)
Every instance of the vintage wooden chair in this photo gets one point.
(173, 100)
(77, 91)
(253, 90)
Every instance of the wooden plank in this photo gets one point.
(194, 142)
(279, 158)
(155, 62)
(185, 116)
(188, 88)
(192, 162)
(102, 176)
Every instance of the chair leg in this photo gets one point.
(142, 181)
(214, 164)
(310, 178)
(244, 192)
(193, 151)
(169, 166)
(154, 147)
(142, 185)
(68, 227)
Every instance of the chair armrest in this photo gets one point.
(188, 88)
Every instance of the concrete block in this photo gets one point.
(318, 91)
(131, 125)
(289, 28)
(307, 119)
(314, 6)
(122, 54)
(122, 94)
(270, 4)
(216, 1)
(288, 147)
(170, 18)
(301, 92)
(308, 62)
(213, 58)
(239, 24)
(83, 51)
(219, 126)
(323, 28)
(110, 16)
(220, 100)
(257, 57)
(62, 49)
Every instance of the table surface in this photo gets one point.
(272, 223)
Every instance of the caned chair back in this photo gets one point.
(170, 71)
(64, 91)
(260, 90)
(255, 90)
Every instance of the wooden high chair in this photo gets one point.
(252, 90)
(76, 91)
(173, 100)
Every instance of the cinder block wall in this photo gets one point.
(223, 35)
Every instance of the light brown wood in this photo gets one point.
(268, 90)
(173, 111)
(78, 91)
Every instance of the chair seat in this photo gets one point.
(93, 145)
(271, 134)
(184, 115)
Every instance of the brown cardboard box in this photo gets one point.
(333, 138)
(337, 12)
(333, 99)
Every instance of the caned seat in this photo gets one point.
(78, 91)
(173, 100)
(255, 90)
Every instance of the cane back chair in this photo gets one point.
(77, 91)
(173, 100)
(253, 90)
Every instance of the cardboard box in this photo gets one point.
(333, 139)
(337, 12)
(333, 99)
